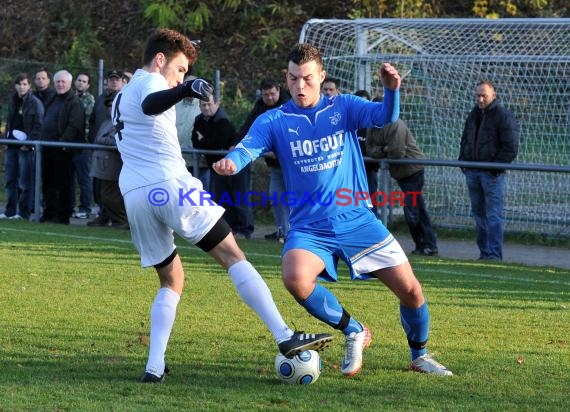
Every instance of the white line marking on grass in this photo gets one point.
(192, 248)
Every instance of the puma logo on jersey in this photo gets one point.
(296, 131)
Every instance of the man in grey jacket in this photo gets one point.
(105, 168)
(395, 141)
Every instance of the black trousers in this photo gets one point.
(57, 172)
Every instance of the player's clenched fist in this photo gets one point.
(390, 76)
(224, 167)
(198, 88)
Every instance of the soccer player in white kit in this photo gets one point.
(162, 197)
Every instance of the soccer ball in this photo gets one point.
(303, 368)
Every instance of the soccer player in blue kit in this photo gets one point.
(314, 139)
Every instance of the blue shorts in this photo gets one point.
(357, 237)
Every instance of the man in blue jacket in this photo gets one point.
(491, 134)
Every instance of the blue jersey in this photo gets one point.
(318, 151)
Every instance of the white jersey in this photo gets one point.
(148, 145)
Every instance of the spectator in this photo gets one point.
(214, 131)
(127, 76)
(115, 83)
(64, 121)
(81, 160)
(370, 167)
(271, 97)
(24, 122)
(395, 141)
(491, 134)
(187, 110)
(43, 89)
(106, 168)
(331, 86)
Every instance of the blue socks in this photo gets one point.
(416, 326)
(323, 305)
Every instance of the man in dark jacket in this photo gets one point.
(491, 134)
(271, 96)
(24, 122)
(213, 130)
(64, 121)
(395, 141)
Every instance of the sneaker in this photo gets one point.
(272, 236)
(98, 222)
(301, 341)
(152, 378)
(15, 217)
(81, 215)
(277, 235)
(3, 216)
(427, 364)
(425, 252)
(355, 345)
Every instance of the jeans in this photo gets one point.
(19, 181)
(416, 215)
(487, 192)
(81, 173)
(280, 210)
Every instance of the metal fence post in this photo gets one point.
(385, 187)
(38, 181)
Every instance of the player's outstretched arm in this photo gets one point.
(224, 167)
(158, 102)
(390, 76)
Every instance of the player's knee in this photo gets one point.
(412, 297)
(297, 284)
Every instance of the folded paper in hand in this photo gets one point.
(19, 135)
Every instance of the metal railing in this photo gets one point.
(384, 175)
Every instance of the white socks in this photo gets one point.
(162, 315)
(254, 292)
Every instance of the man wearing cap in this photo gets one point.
(101, 113)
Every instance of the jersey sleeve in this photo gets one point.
(373, 114)
(156, 83)
(255, 143)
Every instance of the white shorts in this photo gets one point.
(155, 212)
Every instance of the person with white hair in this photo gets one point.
(64, 121)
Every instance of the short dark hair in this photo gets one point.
(486, 82)
(84, 74)
(43, 69)
(363, 93)
(303, 53)
(20, 77)
(169, 42)
(332, 80)
(269, 84)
